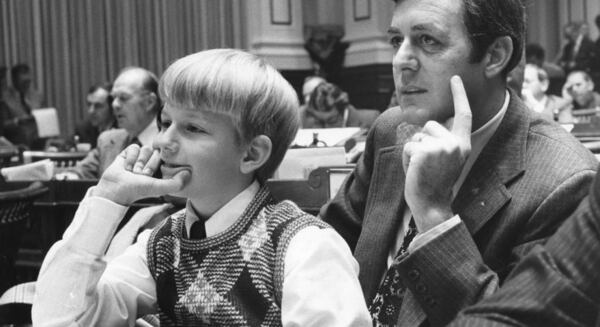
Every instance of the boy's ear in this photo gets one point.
(498, 55)
(258, 151)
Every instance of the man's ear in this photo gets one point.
(151, 99)
(258, 151)
(498, 55)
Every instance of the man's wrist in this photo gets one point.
(430, 217)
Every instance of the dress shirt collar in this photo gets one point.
(479, 139)
(226, 215)
(148, 134)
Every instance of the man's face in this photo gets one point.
(23, 82)
(579, 88)
(130, 102)
(98, 108)
(431, 45)
(532, 83)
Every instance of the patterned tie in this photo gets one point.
(388, 300)
(197, 231)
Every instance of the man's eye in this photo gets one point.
(396, 41)
(427, 40)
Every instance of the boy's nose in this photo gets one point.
(166, 142)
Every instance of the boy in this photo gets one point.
(225, 127)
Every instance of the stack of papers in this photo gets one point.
(42, 170)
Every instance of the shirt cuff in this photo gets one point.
(94, 224)
(430, 235)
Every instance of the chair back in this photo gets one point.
(15, 209)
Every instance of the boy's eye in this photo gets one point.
(164, 124)
(194, 129)
(396, 41)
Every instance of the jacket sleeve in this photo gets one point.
(555, 285)
(449, 274)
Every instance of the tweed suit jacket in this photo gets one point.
(110, 144)
(528, 178)
(555, 285)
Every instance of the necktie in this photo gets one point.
(387, 302)
(197, 231)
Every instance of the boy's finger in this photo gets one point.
(152, 164)
(173, 184)
(461, 126)
(131, 156)
(142, 159)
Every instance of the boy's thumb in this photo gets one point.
(173, 184)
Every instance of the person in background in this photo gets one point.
(234, 256)
(535, 86)
(579, 52)
(535, 54)
(579, 90)
(309, 85)
(19, 125)
(462, 180)
(329, 106)
(5, 114)
(100, 115)
(135, 105)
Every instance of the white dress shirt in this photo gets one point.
(77, 288)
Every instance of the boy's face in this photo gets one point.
(205, 144)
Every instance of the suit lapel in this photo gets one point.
(381, 222)
(501, 160)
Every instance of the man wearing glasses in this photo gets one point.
(135, 105)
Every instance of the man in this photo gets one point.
(579, 90)
(535, 86)
(135, 104)
(100, 115)
(579, 52)
(555, 285)
(535, 54)
(478, 201)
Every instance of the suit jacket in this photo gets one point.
(528, 178)
(585, 59)
(555, 285)
(110, 144)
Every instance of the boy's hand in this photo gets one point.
(129, 177)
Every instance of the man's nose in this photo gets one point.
(405, 57)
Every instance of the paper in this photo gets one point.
(47, 122)
(42, 170)
(298, 163)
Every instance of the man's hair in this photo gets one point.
(487, 20)
(103, 86)
(327, 97)
(17, 70)
(149, 84)
(241, 86)
(535, 51)
(585, 75)
(597, 21)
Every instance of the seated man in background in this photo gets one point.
(135, 105)
(556, 284)
(329, 106)
(535, 86)
(100, 115)
(462, 180)
(579, 89)
(535, 54)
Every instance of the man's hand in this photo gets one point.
(129, 177)
(433, 160)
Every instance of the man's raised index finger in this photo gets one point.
(462, 111)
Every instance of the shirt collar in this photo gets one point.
(226, 215)
(479, 139)
(147, 135)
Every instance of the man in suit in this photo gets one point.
(100, 115)
(579, 90)
(480, 189)
(579, 53)
(556, 284)
(135, 105)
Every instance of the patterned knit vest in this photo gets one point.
(233, 278)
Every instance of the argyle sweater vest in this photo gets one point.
(233, 278)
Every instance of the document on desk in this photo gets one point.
(298, 163)
(42, 170)
(47, 122)
(328, 136)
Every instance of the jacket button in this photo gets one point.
(421, 288)
(413, 274)
(431, 302)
